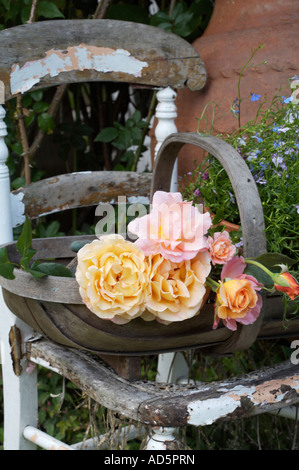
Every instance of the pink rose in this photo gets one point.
(237, 300)
(221, 248)
(174, 228)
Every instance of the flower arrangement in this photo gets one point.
(166, 274)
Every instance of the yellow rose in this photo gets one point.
(113, 278)
(176, 289)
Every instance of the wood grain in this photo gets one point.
(83, 189)
(171, 61)
(160, 404)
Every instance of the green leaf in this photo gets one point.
(137, 116)
(18, 182)
(3, 255)
(53, 269)
(48, 10)
(46, 123)
(260, 275)
(35, 273)
(37, 95)
(107, 135)
(40, 107)
(17, 148)
(272, 260)
(52, 229)
(24, 244)
(25, 14)
(6, 270)
(158, 18)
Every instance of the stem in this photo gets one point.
(261, 266)
(144, 130)
(172, 5)
(239, 81)
(53, 108)
(101, 9)
(33, 11)
(214, 285)
(24, 140)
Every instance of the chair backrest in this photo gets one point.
(54, 52)
(58, 52)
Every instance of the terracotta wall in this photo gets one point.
(235, 29)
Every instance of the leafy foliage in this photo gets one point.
(37, 269)
(269, 144)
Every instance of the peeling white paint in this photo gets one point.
(17, 209)
(81, 57)
(138, 200)
(205, 412)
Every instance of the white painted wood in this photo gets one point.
(290, 412)
(166, 113)
(5, 209)
(101, 442)
(81, 56)
(162, 439)
(17, 209)
(43, 440)
(172, 368)
(19, 391)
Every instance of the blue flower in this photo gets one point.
(277, 144)
(287, 100)
(277, 160)
(240, 243)
(254, 97)
(259, 139)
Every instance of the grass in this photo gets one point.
(74, 416)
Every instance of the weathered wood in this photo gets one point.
(174, 405)
(247, 196)
(83, 189)
(92, 376)
(127, 367)
(64, 51)
(260, 392)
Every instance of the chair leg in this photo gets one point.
(163, 439)
(19, 387)
(172, 367)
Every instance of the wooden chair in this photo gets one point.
(55, 53)
(85, 51)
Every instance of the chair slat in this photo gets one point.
(53, 52)
(83, 189)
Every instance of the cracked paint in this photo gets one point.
(81, 57)
(17, 209)
(207, 411)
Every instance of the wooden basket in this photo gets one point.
(53, 307)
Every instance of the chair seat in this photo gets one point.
(171, 405)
